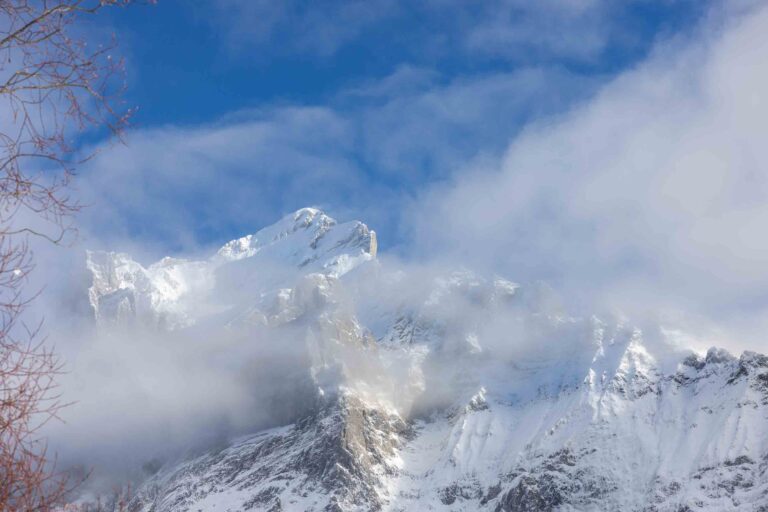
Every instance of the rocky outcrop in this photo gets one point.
(172, 293)
(471, 393)
(336, 459)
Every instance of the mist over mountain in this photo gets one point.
(296, 370)
(554, 299)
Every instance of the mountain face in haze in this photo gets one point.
(171, 292)
(442, 390)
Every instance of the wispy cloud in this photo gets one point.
(372, 148)
(652, 193)
(298, 26)
(510, 30)
(647, 197)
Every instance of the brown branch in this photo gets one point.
(55, 86)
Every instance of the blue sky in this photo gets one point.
(457, 80)
(611, 148)
(192, 62)
(614, 149)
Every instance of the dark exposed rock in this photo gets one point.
(694, 361)
(337, 458)
(492, 493)
(467, 491)
(339, 452)
(529, 494)
(760, 384)
(267, 499)
(740, 372)
(754, 359)
(741, 459)
(718, 356)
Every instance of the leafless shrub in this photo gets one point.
(53, 84)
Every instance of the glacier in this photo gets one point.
(443, 389)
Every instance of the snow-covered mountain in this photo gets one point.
(172, 292)
(446, 391)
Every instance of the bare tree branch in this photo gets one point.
(52, 85)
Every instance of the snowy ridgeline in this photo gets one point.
(175, 292)
(429, 390)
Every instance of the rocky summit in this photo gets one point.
(418, 389)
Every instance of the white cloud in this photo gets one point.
(374, 147)
(520, 30)
(312, 28)
(652, 192)
(516, 30)
(649, 197)
(169, 183)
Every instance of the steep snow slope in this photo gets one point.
(447, 391)
(334, 459)
(172, 292)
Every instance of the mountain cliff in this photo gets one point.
(444, 390)
(170, 292)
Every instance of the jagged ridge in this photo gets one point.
(475, 395)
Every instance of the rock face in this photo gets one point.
(172, 292)
(332, 460)
(446, 390)
(306, 238)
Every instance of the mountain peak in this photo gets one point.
(302, 219)
(454, 391)
(300, 243)
(306, 238)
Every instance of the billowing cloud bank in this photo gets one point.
(648, 198)
(651, 196)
